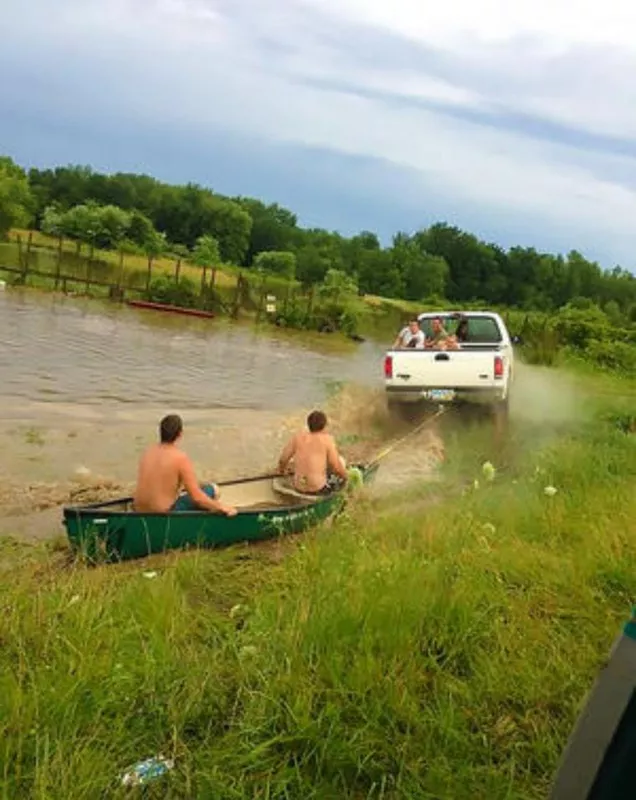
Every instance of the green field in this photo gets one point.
(436, 644)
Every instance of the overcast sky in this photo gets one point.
(515, 120)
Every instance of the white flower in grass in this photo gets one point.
(550, 491)
(488, 471)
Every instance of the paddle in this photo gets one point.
(402, 439)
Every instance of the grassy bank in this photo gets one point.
(422, 653)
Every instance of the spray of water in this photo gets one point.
(545, 397)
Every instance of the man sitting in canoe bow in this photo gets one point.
(315, 455)
(164, 469)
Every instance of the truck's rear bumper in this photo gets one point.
(483, 395)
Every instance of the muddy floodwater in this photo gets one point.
(84, 383)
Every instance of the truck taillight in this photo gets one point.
(499, 367)
(388, 366)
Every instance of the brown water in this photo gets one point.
(84, 383)
(62, 350)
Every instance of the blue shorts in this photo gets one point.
(185, 503)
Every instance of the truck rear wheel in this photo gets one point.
(404, 412)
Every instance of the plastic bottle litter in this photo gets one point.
(146, 771)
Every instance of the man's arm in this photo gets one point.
(287, 455)
(191, 485)
(333, 460)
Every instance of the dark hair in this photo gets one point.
(170, 428)
(316, 421)
(415, 320)
(462, 329)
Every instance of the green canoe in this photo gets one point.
(267, 505)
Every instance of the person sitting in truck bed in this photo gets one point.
(455, 340)
(411, 336)
(439, 336)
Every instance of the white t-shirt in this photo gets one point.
(409, 339)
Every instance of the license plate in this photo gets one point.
(441, 395)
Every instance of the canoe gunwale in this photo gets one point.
(170, 309)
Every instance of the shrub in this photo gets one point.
(165, 289)
(614, 355)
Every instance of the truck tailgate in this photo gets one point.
(450, 369)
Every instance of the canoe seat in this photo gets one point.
(284, 486)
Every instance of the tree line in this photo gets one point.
(137, 213)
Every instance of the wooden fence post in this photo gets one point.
(177, 271)
(261, 300)
(149, 274)
(58, 266)
(237, 298)
(203, 277)
(310, 302)
(28, 254)
(21, 263)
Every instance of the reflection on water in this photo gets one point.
(61, 350)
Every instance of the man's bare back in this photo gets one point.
(164, 469)
(314, 453)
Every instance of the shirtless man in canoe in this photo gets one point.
(315, 455)
(164, 470)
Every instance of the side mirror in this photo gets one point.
(517, 340)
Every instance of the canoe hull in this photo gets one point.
(190, 312)
(110, 532)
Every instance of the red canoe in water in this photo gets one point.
(191, 312)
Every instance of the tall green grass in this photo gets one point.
(437, 652)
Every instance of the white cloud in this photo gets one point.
(244, 67)
(572, 62)
(559, 23)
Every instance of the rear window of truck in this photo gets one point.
(481, 330)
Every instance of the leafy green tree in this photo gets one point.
(206, 253)
(83, 223)
(377, 274)
(16, 200)
(140, 228)
(338, 284)
(423, 274)
(274, 228)
(154, 246)
(52, 221)
(311, 264)
(613, 313)
(276, 262)
(115, 225)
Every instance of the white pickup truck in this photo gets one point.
(480, 371)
